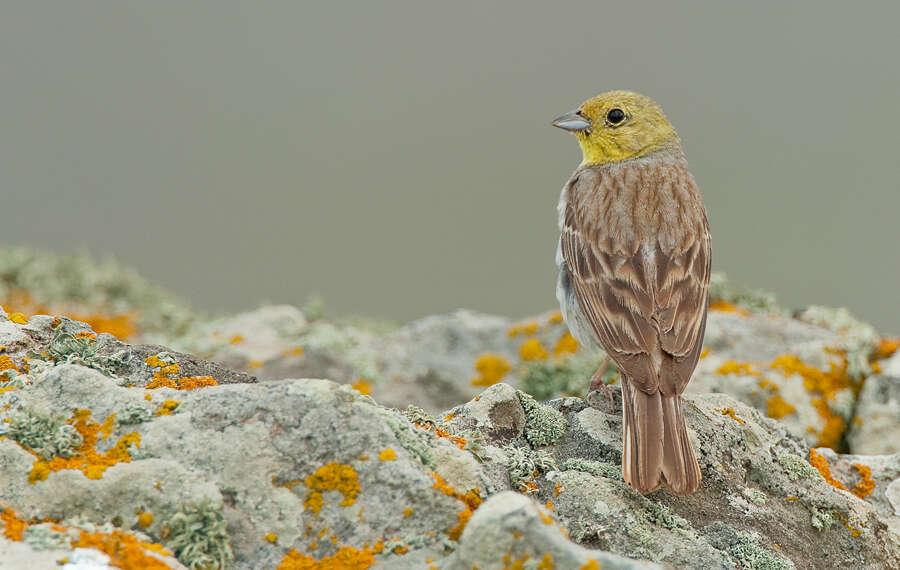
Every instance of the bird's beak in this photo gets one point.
(572, 121)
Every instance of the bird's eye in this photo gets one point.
(615, 116)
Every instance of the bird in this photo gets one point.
(634, 260)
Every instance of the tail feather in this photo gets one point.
(642, 438)
(656, 449)
(680, 469)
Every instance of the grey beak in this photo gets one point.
(572, 121)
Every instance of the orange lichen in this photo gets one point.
(86, 458)
(13, 526)
(549, 505)
(591, 564)
(532, 349)
(86, 334)
(108, 426)
(363, 387)
(777, 407)
(732, 367)
(255, 364)
(194, 382)
(346, 558)
(565, 345)
(866, 485)
(725, 306)
(444, 434)
(472, 500)
(387, 454)
(491, 369)
(296, 351)
(124, 550)
(730, 413)
(818, 461)
(6, 363)
(558, 488)
(332, 476)
(886, 348)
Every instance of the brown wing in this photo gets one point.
(637, 249)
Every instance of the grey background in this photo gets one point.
(397, 158)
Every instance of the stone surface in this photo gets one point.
(874, 430)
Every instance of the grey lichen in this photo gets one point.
(796, 467)
(134, 413)
(198, 538)
(755, 495)
(543, 424)
(744, 548)
(595, 468)
(523, 465)
(47, 435)
(753, 300)
(415, 440)
(43, 536)
(417, 415)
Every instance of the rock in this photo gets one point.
(873, 430)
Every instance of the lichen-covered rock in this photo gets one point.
(874, 429)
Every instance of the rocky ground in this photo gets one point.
(280, 438)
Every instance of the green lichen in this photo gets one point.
(417, 415)
(595, 468)
(67, 348)
(523, 464)
(543, 424)
(753, 300)
(198, 537)
(47, 435)
(661, 515)
(755, 495)
(545, 379)
(418, 442)
(796, 467)
(858, 339)
(134, 413)
(821, 520)
(744, 548)
(42, 536)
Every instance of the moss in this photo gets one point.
(198, 537)
(46, 435)
(595, 468)
(796, 467)
(543, 424)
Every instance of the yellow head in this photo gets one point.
(617, 126)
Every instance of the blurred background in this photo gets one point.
(397, 158)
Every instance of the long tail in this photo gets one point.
(656, 449)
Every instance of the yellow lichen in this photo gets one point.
(491, 369)
(591, 564)
(332, 476)
(777, 407)
(886, 348)
(407, 512)
(296, 351)
(555, 318)
(13, 526)
(271, 537)
(255, 364)
(565, 345)
(107, 427)
(387, 454)
(6, 363)
(532, 349)
(705, 352)
(236, 339)
(167, 407)
(528, 328)
(732, 367)
(145, 520)
(18, 318)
